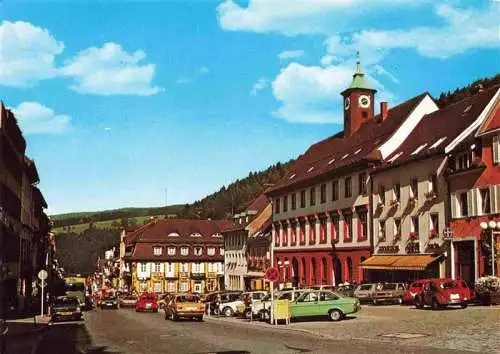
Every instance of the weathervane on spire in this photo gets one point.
(359, 70)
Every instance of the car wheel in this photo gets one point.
(173, 317)
(375, 302)
(399, 300)
(264, 315)
(228, 312)
(335, 315)
(418, 303)
(464, 305)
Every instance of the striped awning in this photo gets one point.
(410, 262)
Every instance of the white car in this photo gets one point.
(237, 306)
(262, 310)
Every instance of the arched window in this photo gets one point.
(349, 269)
(324, 271)
(314, 270)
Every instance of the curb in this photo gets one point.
(40, 327)
(274, 327)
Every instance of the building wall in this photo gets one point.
(160, 277)
(392, 242)
(235, 261)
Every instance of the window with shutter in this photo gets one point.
(471, 203)
(454, 206)
(496, 149)
(495, 198)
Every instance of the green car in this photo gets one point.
(323, 303)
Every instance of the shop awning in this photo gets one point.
(413, 262)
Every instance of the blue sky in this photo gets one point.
(121, 100)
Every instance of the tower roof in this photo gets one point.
(358, 79)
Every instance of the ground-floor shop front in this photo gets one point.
(403, 268)
(306, 268)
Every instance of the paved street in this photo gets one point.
(124, 331)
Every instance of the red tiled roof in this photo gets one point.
(158, 231)
(338, 151)
(144, 251)
(259, 204)
(448, 123)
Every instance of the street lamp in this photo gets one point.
(491, 226)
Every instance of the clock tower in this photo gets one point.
(358, 102)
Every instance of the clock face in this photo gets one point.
(347, 103)
(364, 101)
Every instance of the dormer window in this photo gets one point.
(217, 235)
(221, 251)
(463, 160)
(157, 250)
(195, 234)
(198, 251)
(173, 234)
(171, 251)
(184, 251)
(211, 251)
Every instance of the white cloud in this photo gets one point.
(27, 54)
(260, 84)
(290, 54)
(311, 94)
(110, 70)
(293, 17)
(35, 118)
(463, 29)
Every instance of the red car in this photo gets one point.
(414, 289)
(146, 302)
(439, 293)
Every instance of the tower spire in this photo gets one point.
(359, 69)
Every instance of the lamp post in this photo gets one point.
(491, 226)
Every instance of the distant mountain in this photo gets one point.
(459, 94)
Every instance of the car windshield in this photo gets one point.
(389, 287)
(449, 285)
(148, 298)
(67, 301)
(365, 287)
(188, 298)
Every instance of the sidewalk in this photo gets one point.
(25, 334)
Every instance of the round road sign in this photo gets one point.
(42, 275)
(272, 274)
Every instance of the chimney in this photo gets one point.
(384, 111)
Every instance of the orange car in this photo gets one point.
(184, 306)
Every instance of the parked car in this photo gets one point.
(146, 302)
(264, 311)
(228, 303)
(110, 302)
(184, 306)
(128, 301)
(389, 292)
(364, 292)
(211, 302)
(323, 303)
(255, 297)
(346, 290)
(66, 307)
(413, 290)
(439, 293)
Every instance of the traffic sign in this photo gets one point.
(43, 283)
(42, 275)
(272, 274)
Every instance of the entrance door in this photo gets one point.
(337, 271)
(465, 267)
